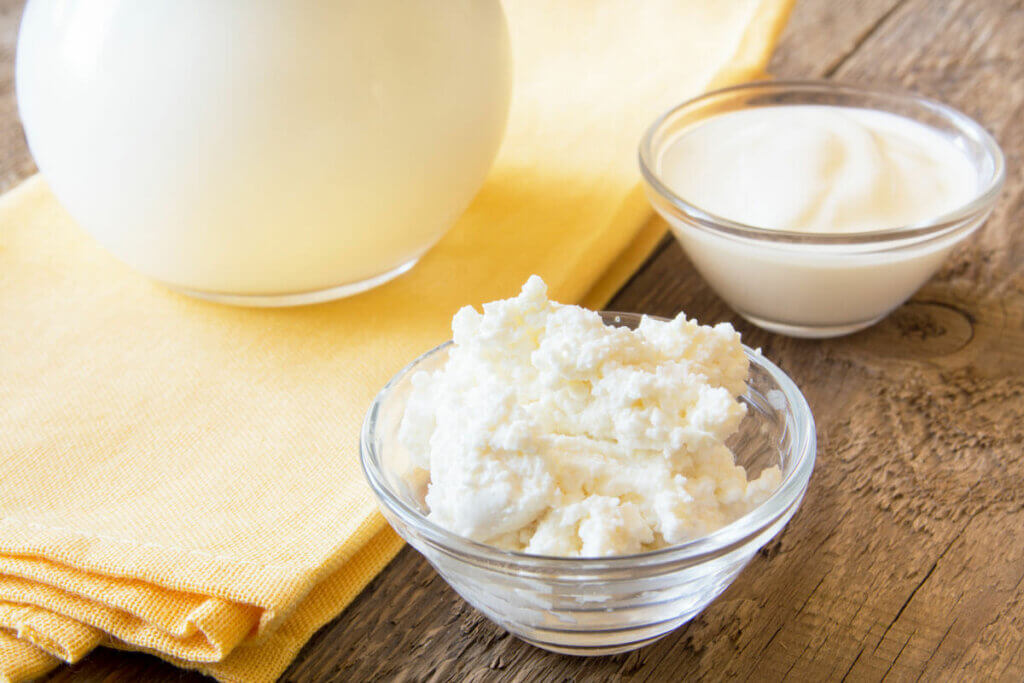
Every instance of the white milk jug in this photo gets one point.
(265, 152)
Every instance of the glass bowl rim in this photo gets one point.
(729, 537)
(938, 226)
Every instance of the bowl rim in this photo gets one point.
(734, 535)
(938, 226)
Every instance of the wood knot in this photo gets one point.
(771, 549)
(921, 329)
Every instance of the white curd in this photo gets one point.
(551, 433)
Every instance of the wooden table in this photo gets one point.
(906, 560)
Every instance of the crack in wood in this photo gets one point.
(831, 70)
(764, 648)
(938, 647)
(852, 664)
(811, 594)
(897, 657)
(916, 588)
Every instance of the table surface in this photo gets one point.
(906, 560)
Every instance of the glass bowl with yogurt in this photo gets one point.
(814, 208)
(593, 605)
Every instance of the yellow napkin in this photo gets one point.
(20, 660)
(182, 478)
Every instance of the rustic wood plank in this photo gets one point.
(907, 558)
(820, 36)
(15, 162)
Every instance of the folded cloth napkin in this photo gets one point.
(182, 478)
(20, 660)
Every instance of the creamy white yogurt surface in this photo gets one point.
(828, 172)
(549, 432)
(818, 168)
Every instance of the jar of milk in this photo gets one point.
(265, 152)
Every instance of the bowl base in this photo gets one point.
(591, 651)
(811, 331)
(299, 298)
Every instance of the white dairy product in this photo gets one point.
(259, 147)
(817, 168)
(828, 172)
(548, 432)
(809, 291)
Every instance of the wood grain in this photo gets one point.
(906, 560)
(15, 162)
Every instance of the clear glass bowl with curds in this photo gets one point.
(598, 606)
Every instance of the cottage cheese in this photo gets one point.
(551, 433)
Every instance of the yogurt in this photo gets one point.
(817, 220)
(818, 169)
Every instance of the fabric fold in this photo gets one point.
(20, 660)
(64, 638)
(182, 478)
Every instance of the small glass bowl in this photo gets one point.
(815, 284)
(596, 606)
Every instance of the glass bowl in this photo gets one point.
(596, 606)
(813, 284)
